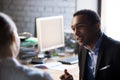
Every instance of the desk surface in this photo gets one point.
(56, 73)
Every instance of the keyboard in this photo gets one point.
(70, 60)
(38, 60)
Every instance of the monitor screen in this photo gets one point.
(50, 33)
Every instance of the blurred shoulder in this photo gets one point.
(36, 74)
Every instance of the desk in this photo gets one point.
(56, 73)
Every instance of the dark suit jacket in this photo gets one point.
(108, 62)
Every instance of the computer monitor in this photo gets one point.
(50, 33)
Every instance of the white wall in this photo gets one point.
(86, 4)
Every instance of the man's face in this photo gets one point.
(84, 31)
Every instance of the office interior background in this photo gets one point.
(24, 12)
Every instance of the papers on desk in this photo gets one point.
(55, 66)
(48, 65)
(63, 66)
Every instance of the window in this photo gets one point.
(110, 15)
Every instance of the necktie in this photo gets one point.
(89, 70)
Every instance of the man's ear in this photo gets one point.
(97, 26)
(12, 37)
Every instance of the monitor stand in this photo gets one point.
(38, 60)
(47, 54)
(41, 58)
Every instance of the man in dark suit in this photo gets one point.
(99, 55)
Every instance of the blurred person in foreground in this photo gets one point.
(99, 55)
(10, 68)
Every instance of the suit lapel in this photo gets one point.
(99, 60)
(83, 62)
(100, 54)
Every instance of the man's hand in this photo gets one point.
(66, 76)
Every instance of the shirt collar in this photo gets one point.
(97, 45)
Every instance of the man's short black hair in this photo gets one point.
(91, 15)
